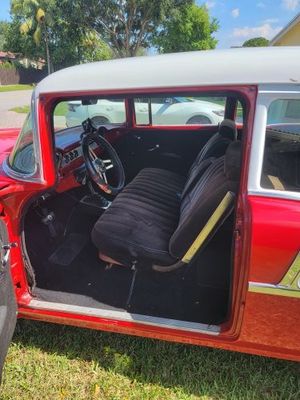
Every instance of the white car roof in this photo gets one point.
(264, 65)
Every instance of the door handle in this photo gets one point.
(5, 255)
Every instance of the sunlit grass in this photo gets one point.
(12, 88)
(60, 110)
(21, 109)
(48, 361)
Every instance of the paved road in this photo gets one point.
(8, 100)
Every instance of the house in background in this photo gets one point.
(6, 56)
(289, 35)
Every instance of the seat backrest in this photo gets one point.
(218, 143)
(199, 203)
(215, 147)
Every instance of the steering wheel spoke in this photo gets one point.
(98, 167)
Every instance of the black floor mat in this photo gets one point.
(69, 250)
(197, 293)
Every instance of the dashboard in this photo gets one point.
(68, 153)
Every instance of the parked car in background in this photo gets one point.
(151, 221)
(165, 111)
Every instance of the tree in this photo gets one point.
(37, 15)
(256, 42)
(70, 41)
(189, 28)
(128, 26)
(21, 44)
(3, 31)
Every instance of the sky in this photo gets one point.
(239, 19)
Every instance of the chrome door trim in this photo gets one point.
(289, 286)
(126, 317)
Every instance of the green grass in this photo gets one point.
(60, 110)
(11, 88)
(47, 361)
(21, 110)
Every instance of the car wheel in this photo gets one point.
(100, 120)
(199, 120)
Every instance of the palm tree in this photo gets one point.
(37, 21)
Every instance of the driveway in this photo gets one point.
(8, 100)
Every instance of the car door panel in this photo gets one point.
(8, 305)
(171, 149)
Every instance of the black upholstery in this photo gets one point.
(150, 222)
(215, 147)
(141, 220)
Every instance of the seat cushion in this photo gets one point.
(141, 220)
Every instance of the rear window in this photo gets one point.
(284, 111)
(179, 110)
(100, 111)
(281, 164)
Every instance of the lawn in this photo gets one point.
(60, 110)
(12, 88)
(47, 361)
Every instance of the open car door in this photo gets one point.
(8, 305)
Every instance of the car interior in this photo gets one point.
(145, 223)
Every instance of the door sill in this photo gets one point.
(126, 317)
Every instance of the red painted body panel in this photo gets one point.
(8, 137)
(258, 335)
(275, 238)
(259, 324)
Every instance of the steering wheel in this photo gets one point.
(98, 167)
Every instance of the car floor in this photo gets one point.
(67, 270)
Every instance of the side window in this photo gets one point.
(281, 164)
(22, 159)
(239, 113)
(179, 110)
(101, 111)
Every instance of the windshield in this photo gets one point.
(22, 158)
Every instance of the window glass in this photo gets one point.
(100, 111)
(239, 113)
(284, 111)
(22, 158)
(179, 110)
(281, 164)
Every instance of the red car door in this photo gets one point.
(8, 305)
(271, 317)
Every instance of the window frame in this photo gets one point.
(200, 93)
(36, 175)
(266, 95)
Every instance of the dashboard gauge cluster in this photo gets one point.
(73, 155)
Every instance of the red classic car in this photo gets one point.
(187, 233)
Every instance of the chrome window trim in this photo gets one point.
(126, 317)
(37, 175)
(276, 194)
(266, 95)
(19, 175)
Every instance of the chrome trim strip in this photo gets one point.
(36, 175)
(275, 194)
(283, 88)
(289, 285)
(127, 317)
(18, 175)
(276, 290)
